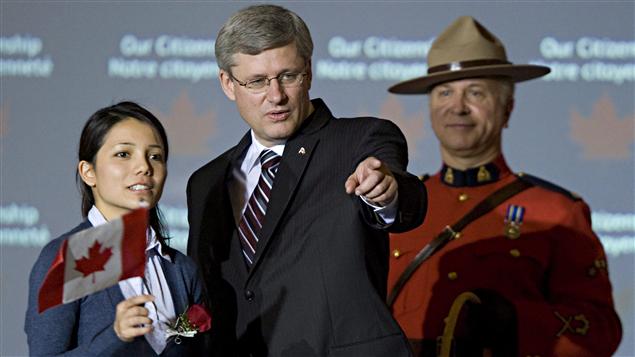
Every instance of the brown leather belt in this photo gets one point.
(449, 232)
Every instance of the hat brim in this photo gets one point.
(423, 85)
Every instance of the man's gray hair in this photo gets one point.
(258, 28)
(507, 87)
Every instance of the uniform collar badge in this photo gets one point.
(483, 175)
(475, 176)
(449, 176)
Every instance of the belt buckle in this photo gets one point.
(451, 232)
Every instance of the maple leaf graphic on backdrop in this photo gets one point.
(411, 124)
(96, 260)
(603, 134)
(189, 131)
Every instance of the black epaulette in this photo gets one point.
(424, 177)
(547, 185)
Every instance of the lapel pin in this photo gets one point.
(302, 151)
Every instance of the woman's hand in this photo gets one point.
(131, 319)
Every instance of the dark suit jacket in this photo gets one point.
(318, 281)
(84, 327)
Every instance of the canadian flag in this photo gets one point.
(95, 259)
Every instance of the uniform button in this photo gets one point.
(457, 235)
(396, 253)
(249, 295)
(514, 253)
(463, 197)
(453, 275)
(600, 263)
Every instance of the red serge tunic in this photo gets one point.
(554, 272)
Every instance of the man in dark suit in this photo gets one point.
(289, 226)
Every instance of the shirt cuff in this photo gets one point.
(385, 215)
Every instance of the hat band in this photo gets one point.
(455, 66)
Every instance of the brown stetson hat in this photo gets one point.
(466, 49)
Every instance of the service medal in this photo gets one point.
(513, 221)
(512, 230)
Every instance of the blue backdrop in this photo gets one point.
(61, 60)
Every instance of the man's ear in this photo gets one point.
(227, 84)
(86, 171)
(309, 75)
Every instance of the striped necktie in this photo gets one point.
(254, 215)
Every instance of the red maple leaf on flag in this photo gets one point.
(95, 261)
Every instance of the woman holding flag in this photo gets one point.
(117, 299)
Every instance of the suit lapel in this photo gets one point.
(295, 159)
(176, 284)
(236, 153)
(217, 219)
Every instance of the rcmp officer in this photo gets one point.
(527, 257)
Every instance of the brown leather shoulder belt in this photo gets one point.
(486, 205)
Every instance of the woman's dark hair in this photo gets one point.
(92, 138)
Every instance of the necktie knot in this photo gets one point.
(269, 159)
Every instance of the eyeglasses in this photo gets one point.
(260, 85)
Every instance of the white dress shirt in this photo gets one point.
(161, 310)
